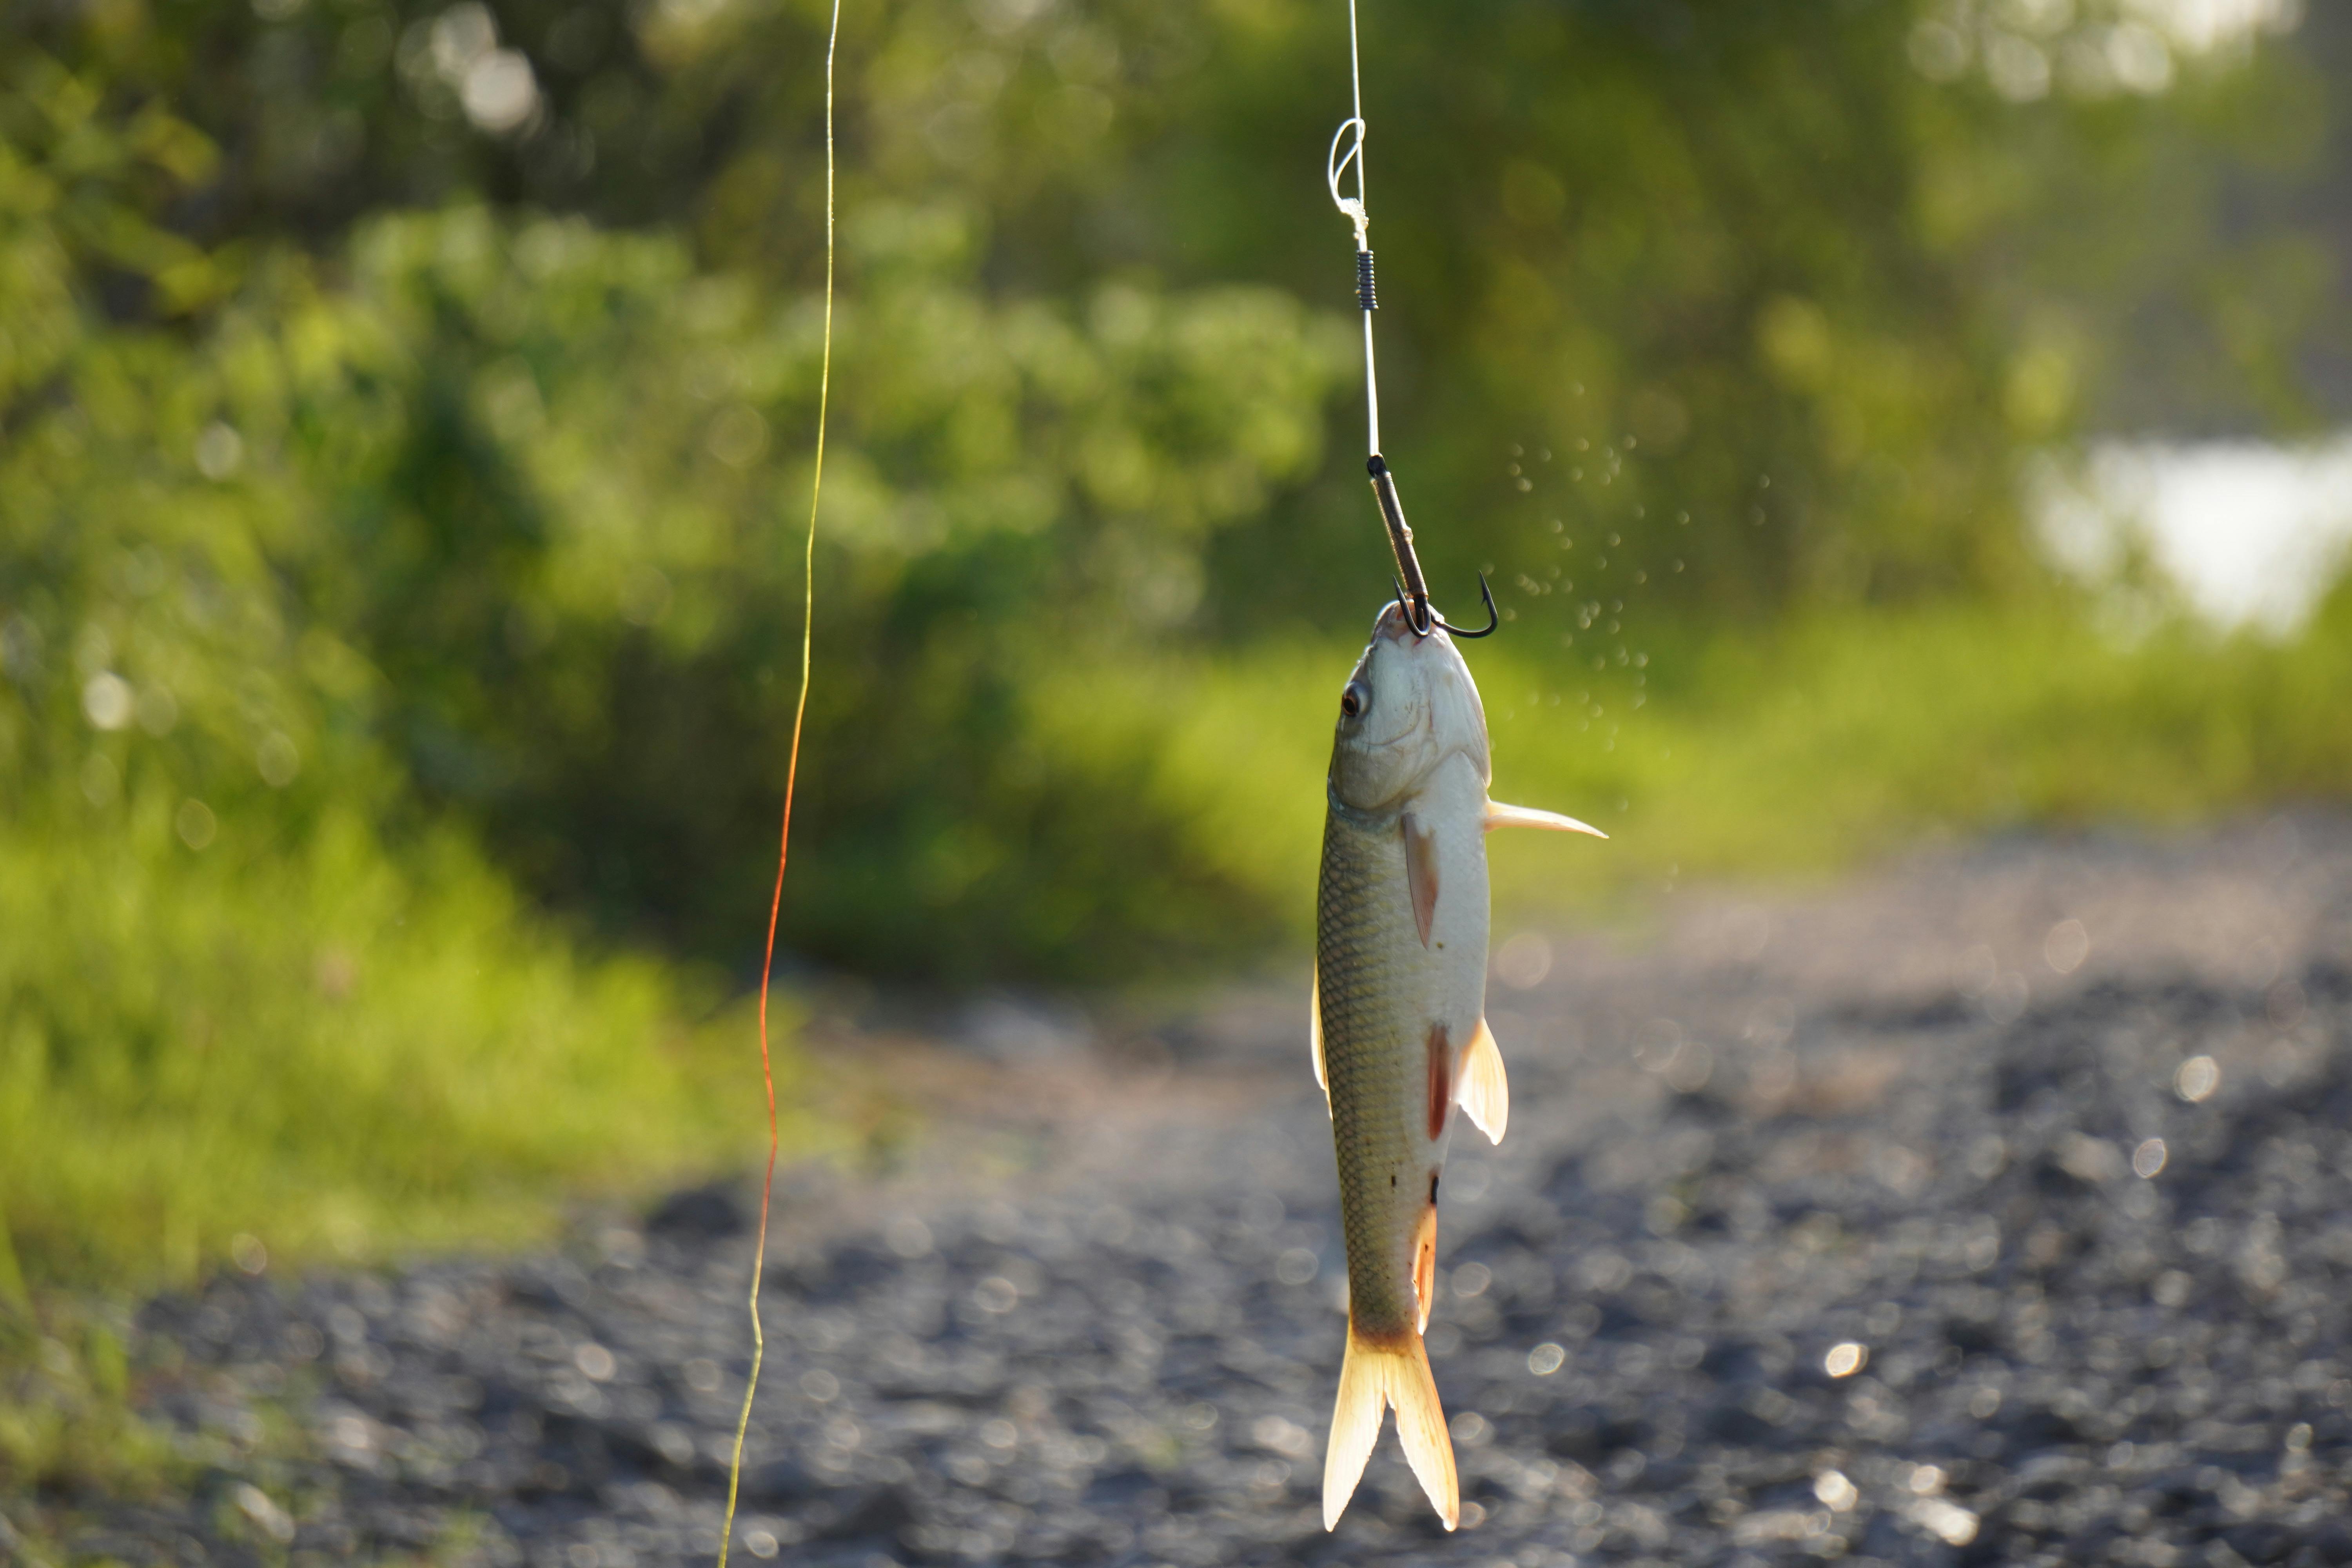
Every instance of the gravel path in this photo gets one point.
(1997, 1209)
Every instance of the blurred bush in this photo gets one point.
(403, 418)
(249, 980)
(498, 321)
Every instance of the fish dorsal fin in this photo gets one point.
(1315, 1034)
(1420, 871)
(1424, 1258)
(1501, 815)
(1482, 1090)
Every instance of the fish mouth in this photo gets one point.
(1395, 626)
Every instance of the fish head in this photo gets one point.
(1408, 706)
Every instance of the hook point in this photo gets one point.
(1494, 616)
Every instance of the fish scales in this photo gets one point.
(1374, 1055)
(1399, 1032)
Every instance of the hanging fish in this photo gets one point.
(1400, 1028)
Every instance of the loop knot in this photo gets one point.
(1334, 166)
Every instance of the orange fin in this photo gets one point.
(1377, 1376)
(1315, 1034)
(1501, 815)
(1421, 872)
(1424, 1257)
(1483, 1094)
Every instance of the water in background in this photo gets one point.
(2249, 534)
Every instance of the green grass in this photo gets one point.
(66, 1419)
(1791, 752)
(1844, 739)
(322, 1051)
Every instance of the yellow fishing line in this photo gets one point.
(784, 835)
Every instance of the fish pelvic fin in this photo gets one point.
(1501, 815)
(1484, 1093)
(1315, 1035)
(1379, 1375)
(1421, 872)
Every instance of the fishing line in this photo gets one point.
(1335, 169)
(1348, 151)
(784, 834)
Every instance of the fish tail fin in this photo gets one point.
(1484, 1093)
(1421, 1424)
(1375, 1377)
(1355, 1424)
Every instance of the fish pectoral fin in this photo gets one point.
(1375, 1377)
(1482, 1092)
(1501, 815)
(1420, 871)
(1424, 1261)
(1315, 1034)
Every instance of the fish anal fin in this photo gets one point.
(1485, 1094)
(1501, 815)
(1424, 1260)
(1421, 872)
(1315, 1035)
(1378, 1376)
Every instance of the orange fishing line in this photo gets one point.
(784, 834)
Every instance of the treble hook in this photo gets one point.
(1494, 616)
(1412, 590)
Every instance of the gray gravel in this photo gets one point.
(1997, 1209)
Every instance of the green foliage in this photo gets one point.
(247, 985)
(403, 416)
(1735, 288)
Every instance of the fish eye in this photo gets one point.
(1357, 698)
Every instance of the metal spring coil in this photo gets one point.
(1364, 281)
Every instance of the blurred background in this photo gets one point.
(1882, 420)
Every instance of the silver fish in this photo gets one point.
(1400, 1027)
